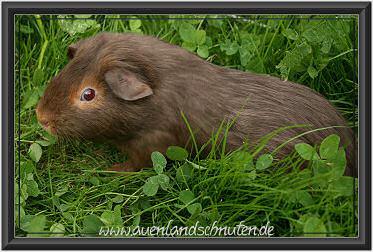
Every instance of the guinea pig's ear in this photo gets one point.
(127, 85)
(71, 50)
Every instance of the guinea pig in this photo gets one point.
(130, 90)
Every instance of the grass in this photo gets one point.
(63, 188)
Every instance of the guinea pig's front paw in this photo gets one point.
(123, 167)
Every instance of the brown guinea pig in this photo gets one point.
(130, 90)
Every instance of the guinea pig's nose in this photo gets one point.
(44, 123)
(42, 118)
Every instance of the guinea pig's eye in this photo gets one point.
(88, 94)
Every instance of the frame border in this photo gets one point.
(9, 9)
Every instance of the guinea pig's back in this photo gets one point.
(264, 104)
(207, 94)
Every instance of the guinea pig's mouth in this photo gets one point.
(48, 128)
(46, 121)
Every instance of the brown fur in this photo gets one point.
(180, 81)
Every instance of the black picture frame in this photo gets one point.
(363, 9)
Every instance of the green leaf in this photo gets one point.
(50, 138)
(38, 77)
(57, 229)
(32, 188)
(344, 186)
(92, 224)
(203, 51)
(199, 37)
(229, 47)
(320, 62)
(196, 166)
(83, 15)
(186, 196)
(64, 207)
(94, 181)
(312, 72)
(138, 31)
(264, 161)
(151, 186)
(314, 225)
(24, 194)
(159, 161)
(136, 220)
(73, 26)
(326, 45)
(43, 142)
(56, 201)
(315, 34)
(304, 198)
(117, 199)
(186, 32)
(189, 34)
(176, 153)
(294, 59)
(320, 167)
(338, 162)
(19, 212)
(184, 173)
(256, 64)
(68, 216)
(218, 23)
(249, 41)
(135, 24)
(32, 100)
(35, 152)
(26, 29)
(163, 180)
(334, 229)
(245, 55)
(247, 177)
(208, 41)
(112, 218)
(33, 224)
(194, 208)
(26, 168)
(306, 151)
(41, 90)
(329, 147)
(243, 159)
(189, 46)
(290, 34)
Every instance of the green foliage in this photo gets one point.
(57, 230)
(82, 24)
(35, 152)
(329, 147)
(194, 39)
(306, 151)
(152, 184)
(187, 197)
(176, 153)
(64, 189)
(331, 167)
(314, 227)
(33, 224)
(184, 173)
(92, 224)
(264, 161)
(230, 48)
(333, 158)
(112, 218)
(159, 162)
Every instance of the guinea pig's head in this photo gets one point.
(105, 90)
